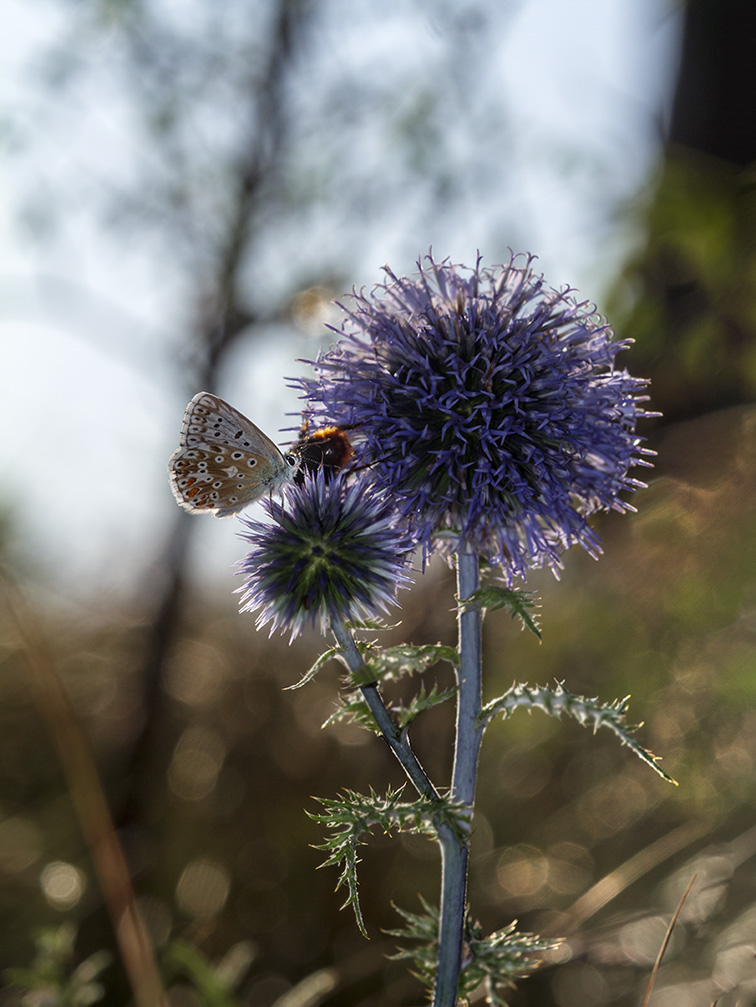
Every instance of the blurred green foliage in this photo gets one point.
(688, 296)
(52, 980)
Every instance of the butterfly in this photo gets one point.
(224, 462)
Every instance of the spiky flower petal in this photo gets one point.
(331, 551)
(487, 406)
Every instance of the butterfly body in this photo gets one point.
(224, 462)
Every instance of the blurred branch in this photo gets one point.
(255, 169)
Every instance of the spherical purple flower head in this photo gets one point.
(331, 552)
(488, 407)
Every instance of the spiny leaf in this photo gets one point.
(370, 625)
(388, 665)
(423, 929)
(422, 701)
(559, 700)
(351, 816)
(498, 958)
(495, 596)
(308, 676)
(353, 709)
(354, 814)
(501, 958)
(406, 659)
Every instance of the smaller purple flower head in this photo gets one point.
(487, 406)
(331, 552)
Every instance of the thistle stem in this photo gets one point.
(469, 734)
(396, 739)
(470, 682)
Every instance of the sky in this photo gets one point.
(91, 403)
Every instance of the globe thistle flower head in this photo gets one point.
(487, 406)
(331, 551)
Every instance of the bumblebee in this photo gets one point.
(328, 449)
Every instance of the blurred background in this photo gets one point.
(188, 185)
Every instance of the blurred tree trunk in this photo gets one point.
(715, 98)
(222, 316)
(693, 286)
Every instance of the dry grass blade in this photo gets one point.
(610, 886)
(91, 808)
(665, 943)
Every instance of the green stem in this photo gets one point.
(469, 734)
(470, 681)
(396, 739)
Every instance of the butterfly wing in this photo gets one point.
(210, 419)
(224, 462)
